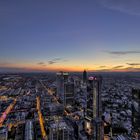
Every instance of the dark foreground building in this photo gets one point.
(136, 112)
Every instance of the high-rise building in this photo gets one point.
(68, 93)
(94, 107)
(29, 130)
(136, 112)
(62, 77)
(84, 76)
(59, 130)
(93, 121)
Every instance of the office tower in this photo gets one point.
(94, 107)
(77, 82)
(62, 77)
(84, 76)
(58, 129)
(29, 130)
(93, 123)
(136, 112)
(68, 93)
(77, 126)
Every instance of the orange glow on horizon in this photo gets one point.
(70, 68)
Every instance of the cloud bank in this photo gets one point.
(133, 64)
(123, 52)
(126, 6)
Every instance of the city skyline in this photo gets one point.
(69, 35)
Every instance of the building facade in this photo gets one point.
(136, 112)
(69, 93)
(93, 121)
(62, 77)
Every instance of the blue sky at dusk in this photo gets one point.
(71, 35)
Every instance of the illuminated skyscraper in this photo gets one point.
(136, 112)
(94, 109)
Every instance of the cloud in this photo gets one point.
(118, 67)
(133, 64)
(103, 70)
(14, 69)
(41, 64)
(126, 6)
(4, 63)
(102, 66)
(127, 69)
(132, 69)
(51, 62)
(56, 60)
(123, 52)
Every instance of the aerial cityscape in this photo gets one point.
(70, 70)
(66, 106)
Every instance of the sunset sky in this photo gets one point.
(69, 35)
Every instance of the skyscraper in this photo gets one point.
(29, 130)
(136, 112)
(69, 93)
(58, 129)
(94, 109)
(84, 76)
(62, 77)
